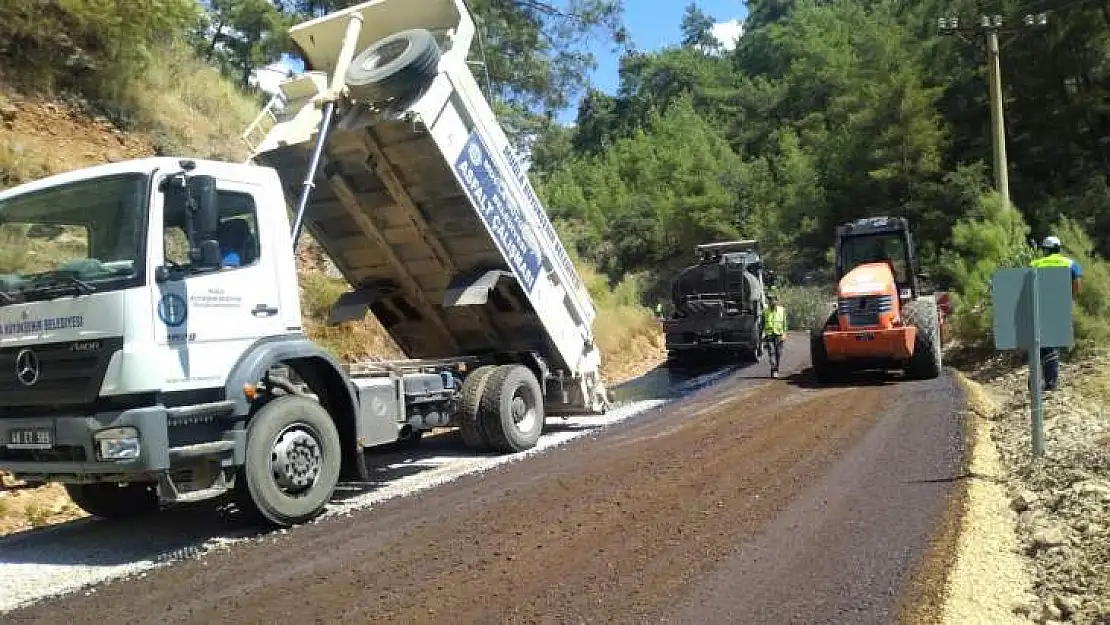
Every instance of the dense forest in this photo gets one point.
(823, 111)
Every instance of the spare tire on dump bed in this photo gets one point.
(399, 67)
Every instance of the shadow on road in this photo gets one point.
(808, 380)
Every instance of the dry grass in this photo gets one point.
(41, 137)
(1090, 378)
(185, 105)
(629, 337)
(350, 341)
(22, 510)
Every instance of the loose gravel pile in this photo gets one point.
(1062, 499)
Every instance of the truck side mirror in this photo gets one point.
(205, 207)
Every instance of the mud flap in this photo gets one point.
(472, 289)
(354, 305)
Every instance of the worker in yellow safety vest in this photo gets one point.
(1050, 356)
(774, 329)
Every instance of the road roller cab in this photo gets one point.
(882, 319)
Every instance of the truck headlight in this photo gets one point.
(117, 443)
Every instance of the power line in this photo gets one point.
(990, 26)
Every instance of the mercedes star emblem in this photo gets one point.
(27, 367)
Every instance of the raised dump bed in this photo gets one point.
(421, 202)
(208, 383)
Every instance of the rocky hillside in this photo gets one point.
(41, 138)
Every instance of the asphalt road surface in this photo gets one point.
(749, 501)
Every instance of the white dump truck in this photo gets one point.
(152, 348)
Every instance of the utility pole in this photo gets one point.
(998, 123)
(990, 26)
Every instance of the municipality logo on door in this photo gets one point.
(172, 310)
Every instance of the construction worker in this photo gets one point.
(1050, 356)
(774, 329)
(659, 311)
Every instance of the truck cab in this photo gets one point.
(138, 302)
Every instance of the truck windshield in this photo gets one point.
(873, 248)
(73, 239)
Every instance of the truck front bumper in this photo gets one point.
(890, 345)
(709, 333)
(72, 453)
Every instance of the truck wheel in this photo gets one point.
(819, 356)
(399, 66)
(511, 410)
(927, 360)
(470, 426)
(112, 501)
(293, 461)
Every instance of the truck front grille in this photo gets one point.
(54, 374)
(864, 310)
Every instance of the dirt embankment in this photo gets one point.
(41, 138)
(1061, 501)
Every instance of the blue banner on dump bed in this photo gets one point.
(546, 227)
(500, 213)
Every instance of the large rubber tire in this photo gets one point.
(927, 360)
(511, 410)
(818, 356)
(470, 426)
(299, 431)
(398, 67)
(112, 501)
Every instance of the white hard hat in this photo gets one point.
(1050, 241)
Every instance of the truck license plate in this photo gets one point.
(31, 438)
(865, 336)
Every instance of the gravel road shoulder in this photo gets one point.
(988, 581)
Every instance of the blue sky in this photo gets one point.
(654, 24)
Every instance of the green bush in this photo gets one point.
(1092, 309)
(997, 237)
(805, 305)
(994, 236)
